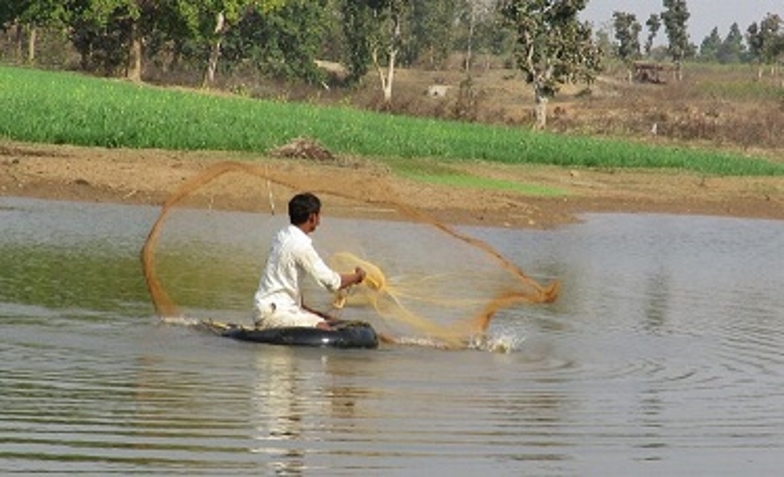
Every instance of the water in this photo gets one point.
(663, 356)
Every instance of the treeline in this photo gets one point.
(283, 38)
(277, 38)
(761, 43)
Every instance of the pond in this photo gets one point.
(662, 356)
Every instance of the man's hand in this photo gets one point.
(349, 279)
(360, 274)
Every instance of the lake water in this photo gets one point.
(664, 355)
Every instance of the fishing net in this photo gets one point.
(426, 281)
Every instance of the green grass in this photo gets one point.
(431, 172)
(465, 180)
(64, 108)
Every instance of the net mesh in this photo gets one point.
(426, 280)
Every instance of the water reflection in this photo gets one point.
(652, 439)
(306, 407)
(280, 405)
(656, 300)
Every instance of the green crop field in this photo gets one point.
(64, 108)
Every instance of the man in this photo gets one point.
(278, 301)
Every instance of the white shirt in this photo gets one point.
(292, 252)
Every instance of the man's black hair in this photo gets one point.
(301, 206)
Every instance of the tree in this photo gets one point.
(732, 49)
(431, 31)
(472, 13)
(99, 30)
(358, 28)
(140, 12)
(284, 43)
(654, 24)
(709, 48)
(487, 34)
(377, 37)
(9, 15)
(627, 32)
(387, 46)
(110, 34)
(766, 41)
(675, 18)
(174, 27)
(9, 12)
(552, 46)
(605, 43)
(216, 17)
(31, 15)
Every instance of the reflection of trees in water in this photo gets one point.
(657, 298)
(649, 417)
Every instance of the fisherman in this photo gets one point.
(278, 300)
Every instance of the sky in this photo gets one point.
(705, 14)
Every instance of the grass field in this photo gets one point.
(64, 108)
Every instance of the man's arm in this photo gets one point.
(315, 266)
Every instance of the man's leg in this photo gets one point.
(294, 317)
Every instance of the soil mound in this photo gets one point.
(304, 148)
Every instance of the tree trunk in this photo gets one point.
(470, 42)
(212, 64)
(385, 77)
(19, 41)
(31, 39)
(176, 56)
(388, 77)
(134, 68)
(541, 108)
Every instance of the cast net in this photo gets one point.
(427, 282)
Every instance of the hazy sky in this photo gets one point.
(705, 14)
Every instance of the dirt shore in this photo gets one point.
(149, 176)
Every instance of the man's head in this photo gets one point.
(304, 210)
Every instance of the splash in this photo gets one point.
(397, 301)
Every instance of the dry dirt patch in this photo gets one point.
(148, 176)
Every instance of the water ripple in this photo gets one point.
(662, 357)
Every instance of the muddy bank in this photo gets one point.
(149, 176)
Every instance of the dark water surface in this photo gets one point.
(663, 356)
